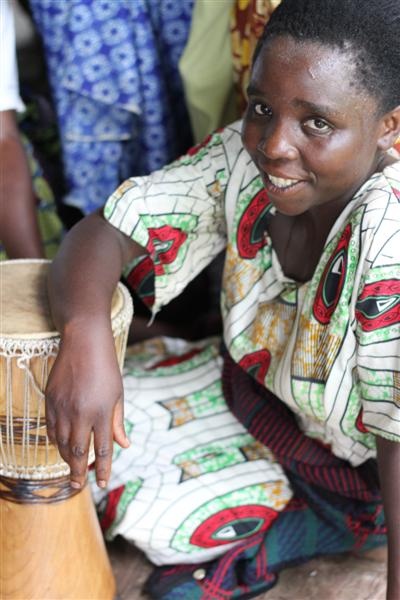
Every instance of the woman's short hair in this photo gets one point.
(369, 30)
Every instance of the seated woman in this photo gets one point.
(282, 443)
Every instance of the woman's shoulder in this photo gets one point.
(378, 207)
(380, 195)
(391, 173)
(229, 135)
(223, 145)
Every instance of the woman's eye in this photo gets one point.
(318, 125)
(262, 109)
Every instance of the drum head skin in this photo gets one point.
(24, 305)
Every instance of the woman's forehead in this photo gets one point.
(308, 72)
(318, 59)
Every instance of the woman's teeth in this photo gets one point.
(282, 183)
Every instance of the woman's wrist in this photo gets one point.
(89, 325)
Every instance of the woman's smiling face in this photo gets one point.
(311, 130)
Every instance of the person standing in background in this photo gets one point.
(29, 225)
(113, 72)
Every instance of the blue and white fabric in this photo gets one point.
(113, 69)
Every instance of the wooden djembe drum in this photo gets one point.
(51, 546)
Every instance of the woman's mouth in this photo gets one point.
(283, 188)
(283, 183)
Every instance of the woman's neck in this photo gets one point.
(299, 241)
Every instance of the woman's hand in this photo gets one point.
(84, 395)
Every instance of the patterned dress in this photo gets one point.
(232, 444)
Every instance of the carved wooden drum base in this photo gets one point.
(51, 546)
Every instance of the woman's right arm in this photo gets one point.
(84, 393)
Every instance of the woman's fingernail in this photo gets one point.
(76, 485)
(102, 483)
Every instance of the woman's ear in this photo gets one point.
(390, 129)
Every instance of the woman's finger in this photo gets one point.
(62, 434)
(103, 448)
(79, 443)
(51, 423)
(119, 432)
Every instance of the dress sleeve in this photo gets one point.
(378, 327)
(178, 214)
(9, 88)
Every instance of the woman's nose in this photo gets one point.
(278, 142)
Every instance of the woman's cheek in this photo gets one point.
(249, 136)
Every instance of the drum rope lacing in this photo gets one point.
(29, 431)
(23, 350)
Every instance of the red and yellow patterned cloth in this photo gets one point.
(248, 20)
